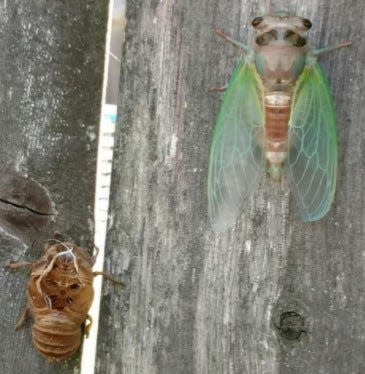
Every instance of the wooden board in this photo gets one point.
(274, 294)
(51, 70)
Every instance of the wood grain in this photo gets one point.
(200, 302)
(51, 66)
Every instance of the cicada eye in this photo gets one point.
(306, 23)
(257, 21)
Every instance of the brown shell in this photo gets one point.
(59, 295)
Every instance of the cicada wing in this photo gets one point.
(236, 157)
(312, 154)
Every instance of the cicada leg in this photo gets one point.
(319, 51)
(109, 277)
(218, 88)
(18, 265)
(88, 324)
(23, 318)
(236, 43)
(95, 255)
(25, 315)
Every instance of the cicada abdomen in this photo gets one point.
(59, 295)
(277, 112)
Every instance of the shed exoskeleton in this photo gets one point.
(59, 296)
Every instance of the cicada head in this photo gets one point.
(62, 274)
(281, 29)
(280, 45)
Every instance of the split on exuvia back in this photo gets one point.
(276, 112)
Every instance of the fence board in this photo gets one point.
(200, 302)
(51, 65)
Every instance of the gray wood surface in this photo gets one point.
(51, 65)
(272, 295)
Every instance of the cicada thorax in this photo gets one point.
(60, 294)
(280, 47)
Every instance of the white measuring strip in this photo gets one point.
(105, 155)
(103, 176)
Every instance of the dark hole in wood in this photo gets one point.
(291, 325)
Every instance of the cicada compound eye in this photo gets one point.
(256, 22)
(307, 23)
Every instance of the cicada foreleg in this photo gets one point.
(23, 318)
(319, 51)
(26, 313)
(18, 265)
(218, 88)
(88, 324)
(236, 43)
(102, 273)
(109, 277)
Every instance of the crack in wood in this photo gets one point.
(7, 202)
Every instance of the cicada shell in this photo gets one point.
(59, 295)
(277, 112)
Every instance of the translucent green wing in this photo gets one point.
(236, 158)
(312, 155)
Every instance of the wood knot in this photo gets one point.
(291, 325)
(24, 205)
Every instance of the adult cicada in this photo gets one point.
(277, 112)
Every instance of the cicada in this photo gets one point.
(59, 295)
(276, 113)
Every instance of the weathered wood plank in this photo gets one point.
(199, 302)
(51, 67)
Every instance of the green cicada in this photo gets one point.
(277, 111)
